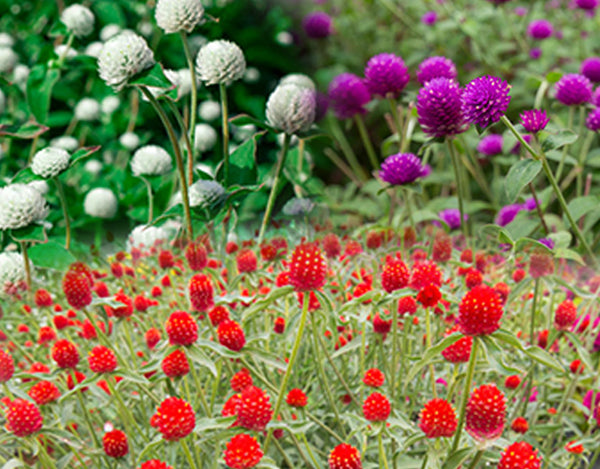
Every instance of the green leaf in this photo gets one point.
(129, 375)
(581, 350)
(176, 211)
(83, 153)
(558, 140)
(13, 464)
(458, 457)
(431, 354)
(25, 176)
(31, 233)
(200, 358)
(553, 77)
(153, 77)
(40, 83)
(221, 423)
(583, 205)
(565, 253)
(51, 255)
(245, 119)
(508, 338)
(541, 356)
(25, 131)
(260, 305)
(519, 175)
(58, 29)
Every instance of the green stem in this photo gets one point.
(63, 56)
(271, 202)
(225, 121)
(582, 157)
(49, 461)
(188, 144)
(63, 203)
(382, 457)
(476, 459)
(188, 454)
(85, 412)
(200, 391)
(536, 291)
(27, 266)
(193, 103)
(347, 150)
(364, 135)
(563, 157)
(396, 119)
(428, 343)
(459, 189)
(394, 354)
(150, 199)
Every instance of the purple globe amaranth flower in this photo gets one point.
(507, 214)
(535, 53)
(317, 25)
(490, 145)
(547, 242)
(517, 148)
(573, 89)
(348, 95)
(485, 100)
(386, 75)
(498, 2)
(596, 97)
(429, 18)
(587, 4)
(520, 11)
(439, 108)
(590, 68)
(402, 168)
(529, 204)
(593, 120)
(436, 67)
(540, 29)
(451, 217)
(534, 120)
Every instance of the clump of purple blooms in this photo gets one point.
(317, 25)
(451, 217)
(573, 89)
(540, 29)
(439, 107)
(402, 168)
(590, 68)
(386, 75)
(490, 145)
(485, 100)
(436, 67)
(534, 120)
(348, 95)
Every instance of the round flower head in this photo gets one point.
(593, 120)
(520, 455)
(297, 206)
(178, 15)
(344, 456)
(8, 59)
(129, 140)
(540, 29)
(485, 413)
(386, 75)
(451, 216)
(87, 110)
(12, 270)
(534, 120)
(507, 214)
(206, 194)
(20, 205)
(291, 108)
(220, 62)
(317, 25)
(429, 18)
(439, 107)
(590, 68)
(588, 5)
(348, 95)
(490, 145)
(436, 67)
(402, 168)
(298, 79)
(485, 100)
(205, 138)
(50, 162)
(151, 160)
(122, 57)
(100, 203)
(78, 19)
(146, 236)
(209, 110)
(573, 89)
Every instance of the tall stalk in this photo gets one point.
(225, 124)
(63, 204)
(193, 104)
(459, 188)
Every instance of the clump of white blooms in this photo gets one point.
(110, 104)
(93, 167)
(66, 142)
(93, 49)
(298, 79)
(146, 236)
(220, 62)
(129, 140)
(8, 59)
(209, 110)
(205, 138)
(50, 162)
(291, 108)
(108, 31)
(12, 270)
(206, 194)
(100, 203)
(298, 207)
(122, 57)
(78, 19)
(87, 110)
(151, 160)
(178, 15)
(20, 205)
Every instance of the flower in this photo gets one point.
(87, 110)
(243, 452)
(231, 335)
(520, 455)
(590, 68)
(395, 275)
(429, 18)
(291, 108)
(20, 205)
(376, 408)
(174, 419)
(201, 292)
(151, 160)
(100, 203)
(520, 425)
(115, 444)
(102, 359)
(386, 75)
(436, 67)
(485, 100)
(246, 261)
(254, 409)
(344, 456)
(573, 89)
(44, 392)
(486, 413)
(298, 206)
(438, 419)
(146, 236)
(12, 270)
(155, 464)
(374, 378)
(534, 120)
(540, 29)
(206, 194)
(565, 315)
(77, 288)
(178, 15)
(439, 108)
(317, 25)
(7, 366)
(78, 19)
(490, 145)
(50, 162)
(507, 214)
(307, 268)
(480, 311)
(8, 59)
(592, 121)
(241, 380)
(348, 94)
(588, 5)
(175, 364)
(541, 263)
(23, 418)
(122, 57)
(65, 354)
(181, 328)
(300, 80)
(451, 217)
(220, 63)
(296, 398)
(402, 168)
(331, 245)
(459, 351)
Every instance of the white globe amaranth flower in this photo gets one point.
(122, 57)
(66, 142)
(298, 207)
(8, 59)
(50, 162)
(299, 79)
(205, 138)
(110, 104)
(78, 19)
(220, 62)
(178, 15)
(284, 38)
(101, 203)
(108, 31)
(244, 132)
(145, 28)
(6, 40)
(146, 236)
(93, 49)
(12, 269)
(40, 185)
(151, 160)
(20, 205)
(291, 108)
(87, 110)
(209, 110)
(206, 194)
(251, 75)
(129, 140)
(93, 167)
(20, 75)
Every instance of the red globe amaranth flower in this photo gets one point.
(442, 248)
(79, 377)
(241, 380)
(166, 260)
(231, 335)
(196, 255)
(503, 291)
(520, 455)
(486, 413)
(438, 419)
(102, 359)
(512, 382)
(279, 325)
(201, 292)
(565, 315)
(175, 364)
(46, 334)
(43, 392)
(307, 268)
(374, 378)
(23, 418)
(407, 305)
(574, 448)
(254, 410)
(243, 452)
(296, 398)
(218, 314)
(155, 464)
(77, 289)
(541, 264)
(65, 354)
(395, 275)
(331, 245)
(376, 407)
(460, 351)
(576, 367)
(429, 296)
(425, 273)
(115, 444)
(152, 337)
(174, 418)
(181, 328)
(473, 278)
(480, 311)
(7, 366)
(246, 261)
(230, 407)
(344, 456)
(519, 425)
(42, 298)
(380, 325)
(518, 275)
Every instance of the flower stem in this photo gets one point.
(476, 459)
(428, 343)
(188, 454)
(338, 135)
(459, 189)
(364, 135)
(27, 266)
(382, 457)
(85, 412)
(188, 145)
(150, 199)
(63, 203)
(225, 121)
(193, 103)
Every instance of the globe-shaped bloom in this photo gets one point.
(146, 236)
(78, 19)
(220, 62)
(20, 205)
(298, 79)
(402, 168)
(451, 216)
(590, 68)
(588, 5)
(291, 108)
(439, 108)
(593, 120)
(534, 120)
(100, 203)
(348, 95)
(206, 194)
(485, 100)
(8, 59)
(507, 214)
(205, 137)
(573, 89)
(151, 160)
(540, 29)
(12, 270)
(87, 110)
(50, 162)
(490, 145)
(386, 75)
(317, 25)
(436, 67)
(178, 15)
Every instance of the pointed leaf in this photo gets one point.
(40, 83)
(558, 140)
(83, 153)
(153, 77)
(51, 255)
(25, 131)
(32, 233)
(519, 175)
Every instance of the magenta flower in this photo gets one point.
(534, 120)
(490, 145)
(540, 29)
(436, 67)
(439, 107)
(317, 25)
(402, 168)
(593, 120)
(590, 68)
(348, 95)
(485, 100)
(386, 75)
(573, 89)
